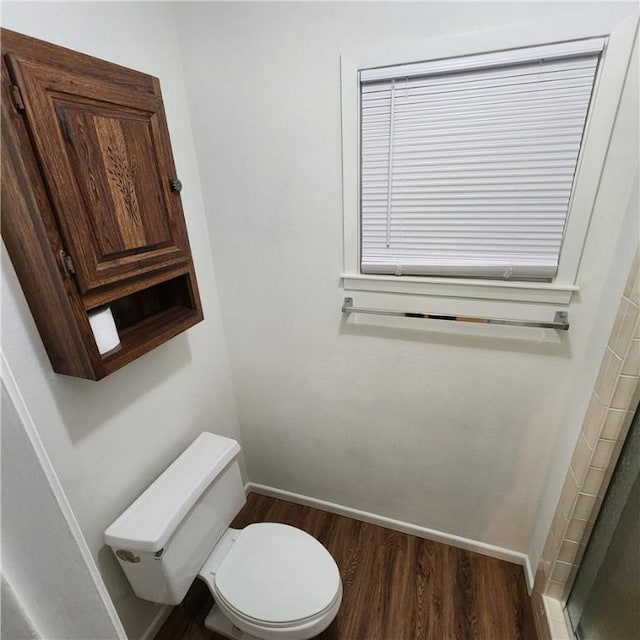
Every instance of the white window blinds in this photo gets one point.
(467, 164)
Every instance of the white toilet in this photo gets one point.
(269, 581)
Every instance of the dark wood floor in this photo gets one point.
(396, 586)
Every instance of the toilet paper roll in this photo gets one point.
(104, 329)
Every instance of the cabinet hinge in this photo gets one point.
(17, 97)
(67, 263)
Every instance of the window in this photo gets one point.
(467, 164)
(471, 163)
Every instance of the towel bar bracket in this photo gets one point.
(562, 317)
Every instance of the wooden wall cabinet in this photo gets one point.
(91, 209)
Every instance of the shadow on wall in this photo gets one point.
(518, 434)
(128, 605)
(542, 342)
(523, 466)
(77, 398)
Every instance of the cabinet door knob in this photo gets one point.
(176, 185)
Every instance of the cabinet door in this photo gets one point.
(105, 155)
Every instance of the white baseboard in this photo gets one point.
(468, 544)
(528, 573)
(157, 622)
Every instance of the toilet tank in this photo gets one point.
(162, 540)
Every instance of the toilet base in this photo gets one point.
(218, 622)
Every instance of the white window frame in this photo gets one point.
(607, 92)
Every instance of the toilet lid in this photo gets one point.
(276, 574)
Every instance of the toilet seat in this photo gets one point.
(240, 617)
(277, 581)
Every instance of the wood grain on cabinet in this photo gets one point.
(103, 155)
(88, 213)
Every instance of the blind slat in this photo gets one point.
(467, 165)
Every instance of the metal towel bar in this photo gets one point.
(560, 320)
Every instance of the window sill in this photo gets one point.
(541, 292)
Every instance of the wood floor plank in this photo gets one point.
(396, 586)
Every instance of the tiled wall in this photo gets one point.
(611, 408)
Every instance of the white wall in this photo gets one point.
(15, 623)
(606, 273)
(448, 427)
(108, 440)
(48, 589)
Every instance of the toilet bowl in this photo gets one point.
(269, 581)
(275, 581)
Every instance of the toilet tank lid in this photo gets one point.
(150, 521)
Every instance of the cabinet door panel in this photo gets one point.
(104, 155)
